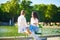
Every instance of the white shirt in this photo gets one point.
(34, 21)
(21, 23)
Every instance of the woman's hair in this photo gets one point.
(34, 14)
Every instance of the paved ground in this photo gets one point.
(54, 38)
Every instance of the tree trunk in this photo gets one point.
(12, 20)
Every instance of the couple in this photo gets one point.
(22, 24)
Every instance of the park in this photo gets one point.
(48, 15)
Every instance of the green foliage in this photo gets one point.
(56, 17)
(46, 13)
(10, 8)
(28, 9)
(41, 9)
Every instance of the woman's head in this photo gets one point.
(34, 14)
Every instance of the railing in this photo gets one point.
(16, 38)
(27, 38)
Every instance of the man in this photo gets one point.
(22, 24)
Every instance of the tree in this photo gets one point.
(3, 13)
(41, 8)
(50, 12)
(11, 8)
(25, 4)
(56, 17)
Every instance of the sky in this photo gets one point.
(3, 1)
(56, 2)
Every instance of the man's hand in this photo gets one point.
(27, 31)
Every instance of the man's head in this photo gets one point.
(22, 12)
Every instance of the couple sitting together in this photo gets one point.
(33, 27)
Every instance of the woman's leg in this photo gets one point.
(36, 37)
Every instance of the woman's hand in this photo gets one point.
(35, 24)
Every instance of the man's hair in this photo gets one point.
(22, 12)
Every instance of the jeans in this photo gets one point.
(34, 29)
(36, 37)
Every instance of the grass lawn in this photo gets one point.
(13, 31)
(9, 31)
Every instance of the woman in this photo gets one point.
(34, 26)
(34, 22)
